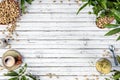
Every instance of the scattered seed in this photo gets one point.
(54, 1)
(55, 75)
(76, 79)
(9, 46)
(49, 75)
(40, 1)
(61, 1)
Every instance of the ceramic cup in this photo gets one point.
(11, 60)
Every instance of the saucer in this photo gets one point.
(14, 54)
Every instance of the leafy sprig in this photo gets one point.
(22, 5)
(103, 8)
(21, 74)
(116, 75)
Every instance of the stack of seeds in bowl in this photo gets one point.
(9, 13)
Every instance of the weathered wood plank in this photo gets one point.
(53, 39)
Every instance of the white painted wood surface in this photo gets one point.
(54, 40)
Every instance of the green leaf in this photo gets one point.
(107, 79)
(104, 4)
(112, 32)
(93, 3)
(112, 25)
(110, 4)
(23, 69)
(29, 1)
(15, 78)
(118, 38)
(116, 13)
(21, 75)
(84, 0)
(25, 65)
(23, 78)
(96, 10)
(116, 76)
(20, 70)
(118, 1)
(118, 59)
(31, 76)
(82, 7)
(89, 2)
(117, 19)
(28, 79)
(11, 73)
(23, 6)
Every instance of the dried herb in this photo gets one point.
(21, 74)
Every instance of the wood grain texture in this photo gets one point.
(54, 40)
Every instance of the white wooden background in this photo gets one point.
(54, 40)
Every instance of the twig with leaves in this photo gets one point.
(21, 74)
(106, 11)
(22, 5)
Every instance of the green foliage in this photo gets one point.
(21, 74)
(23, 4)
(29, 1)
(103, 8)
(31, 76)
(115, 76)
(82, 7)
(118, 59)
(118, 38)
(14, 78)
(12, 73)
(112, 25)
(112, 32)
(116, 73)
(116, 14)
